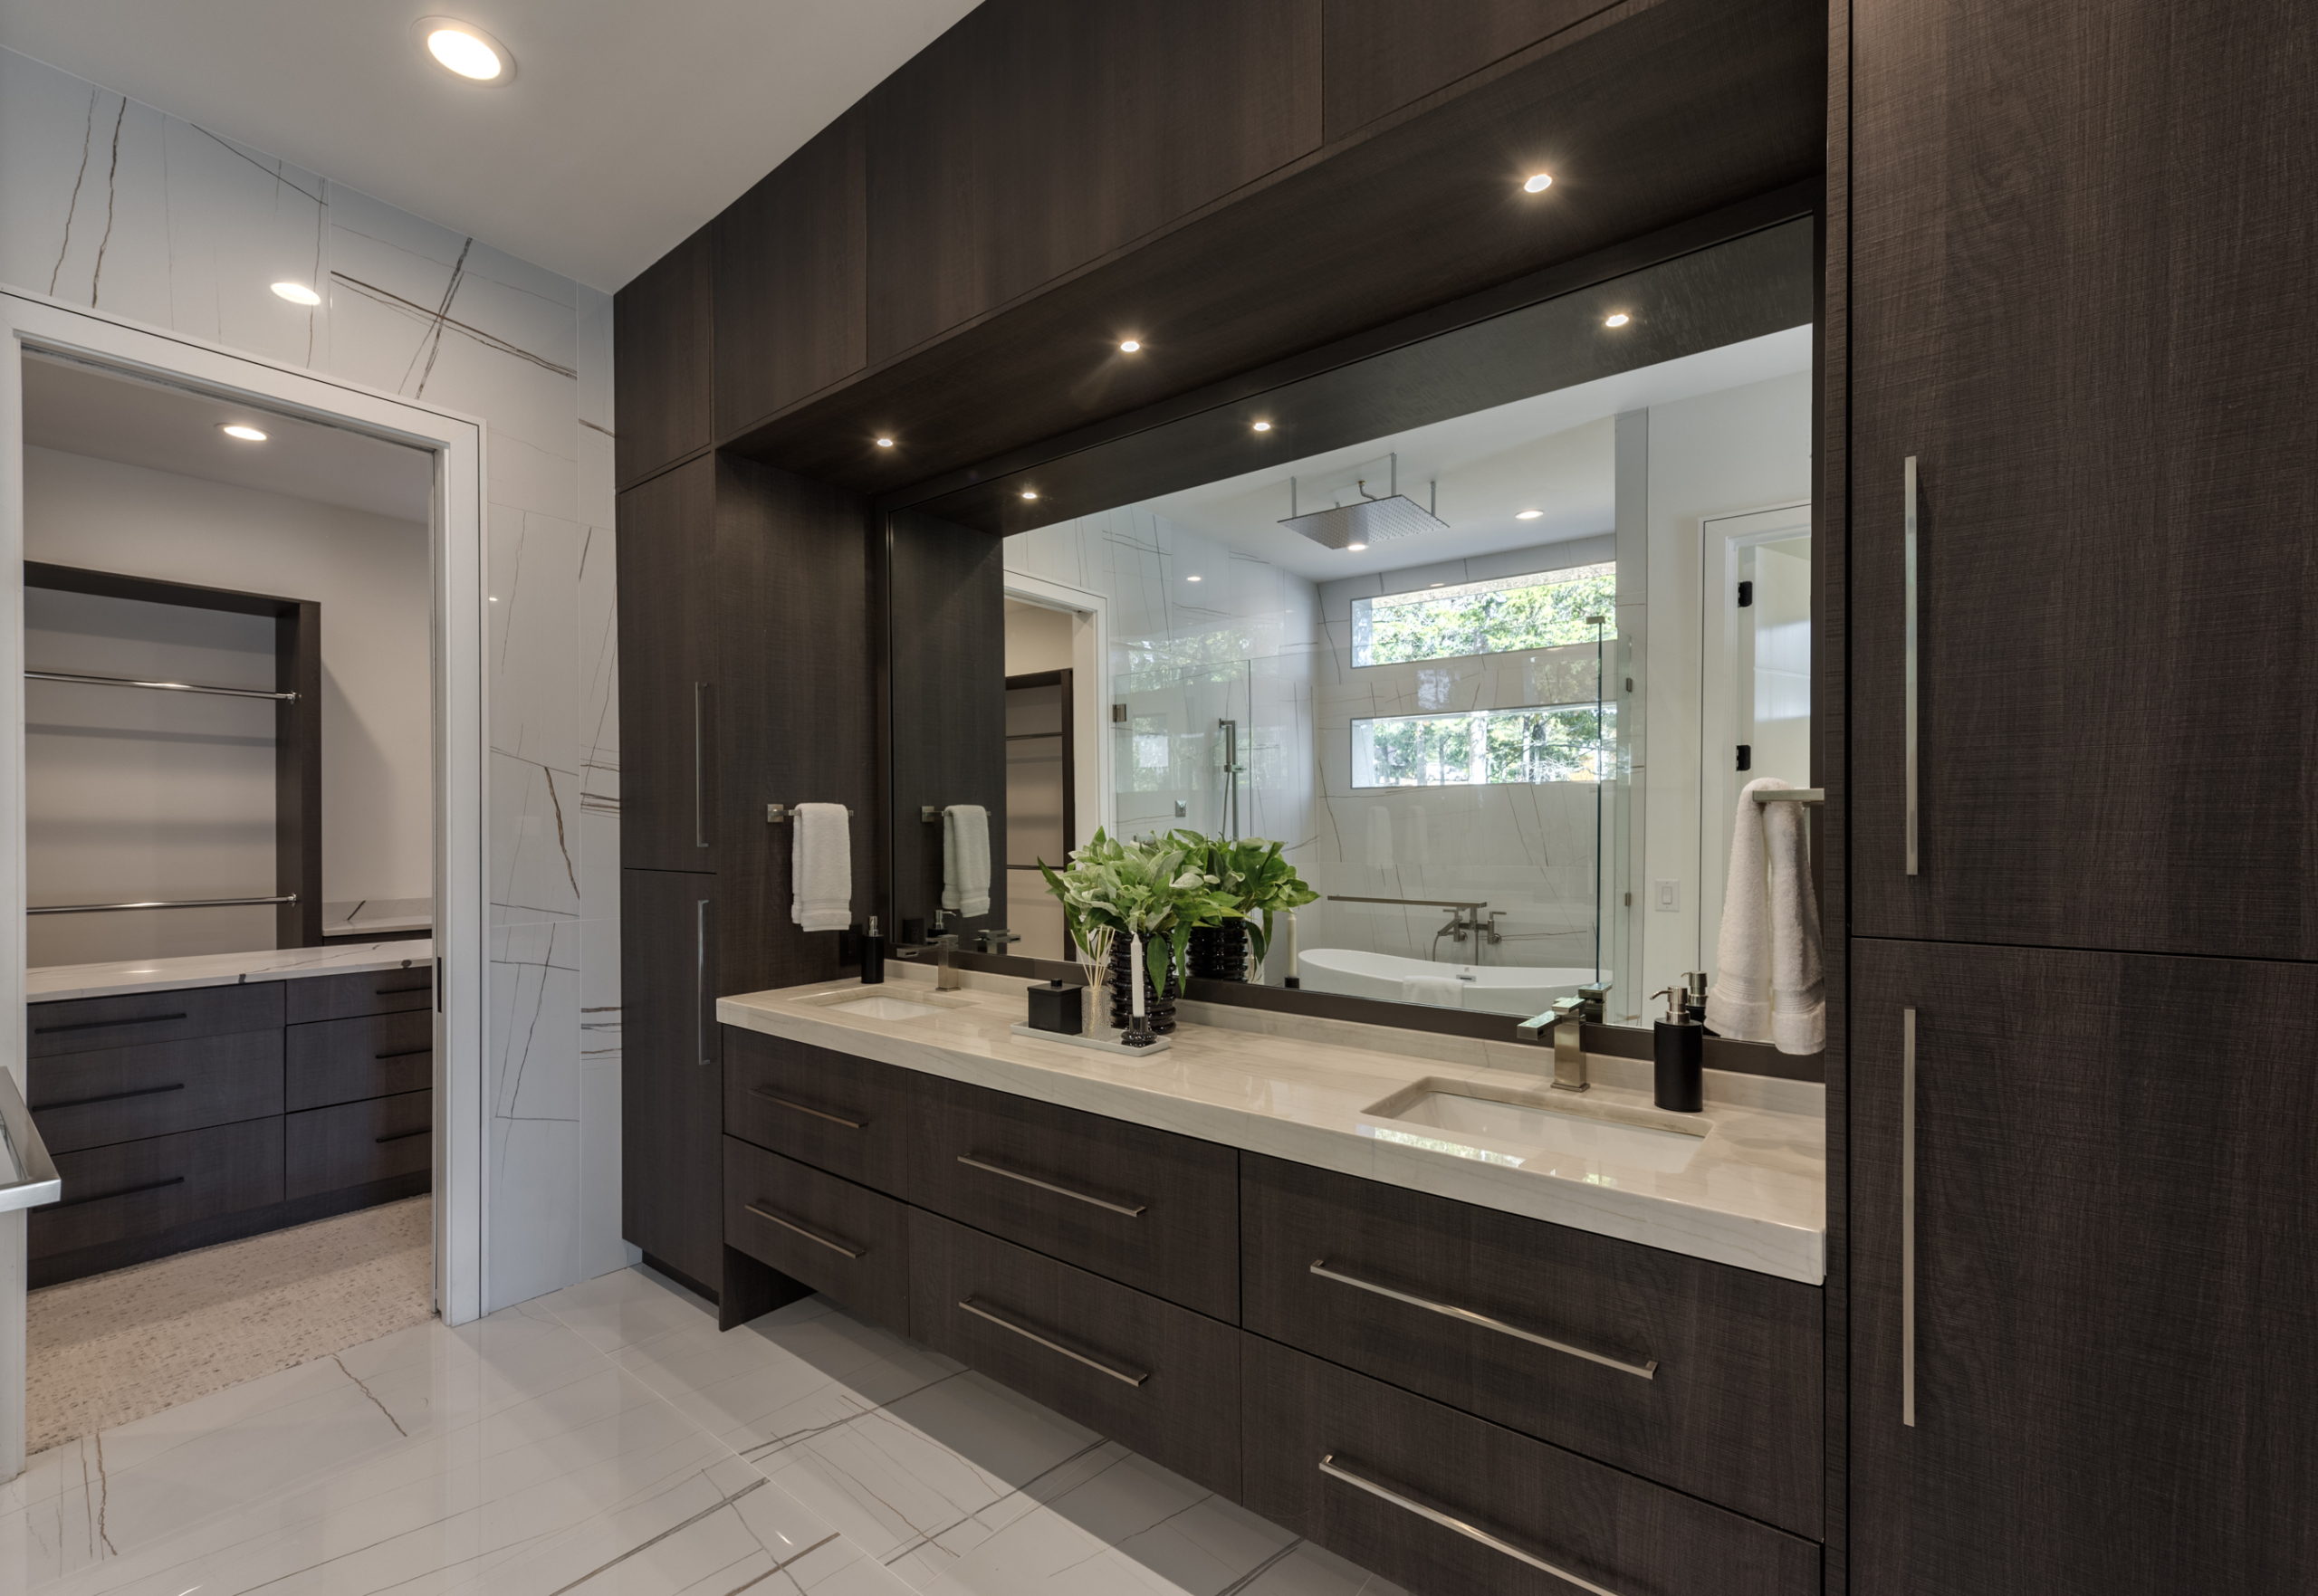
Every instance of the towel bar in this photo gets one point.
(776, 814)
(1793, 794)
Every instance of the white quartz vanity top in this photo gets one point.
(1753, 1195)
(57, 983)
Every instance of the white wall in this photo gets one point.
(182, 230)
(369, 575)
(1038, 639)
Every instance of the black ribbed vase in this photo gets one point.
(1158, 1003)
(1218, 953)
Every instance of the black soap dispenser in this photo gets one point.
(1678, 1043)
(873, 956)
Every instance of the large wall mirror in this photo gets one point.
(1489, 629)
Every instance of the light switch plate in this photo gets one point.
(1669, 897)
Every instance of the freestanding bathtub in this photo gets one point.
(1489, 989)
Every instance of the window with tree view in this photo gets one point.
(1478, 748)
(1542, 610)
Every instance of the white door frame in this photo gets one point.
(462, 731)
(1094, 799)
(1721, 540)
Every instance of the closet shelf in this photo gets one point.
(158, 686)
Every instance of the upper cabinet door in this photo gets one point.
(2114, 1280)
(668, 670)
(663, 392)
(2081, 298)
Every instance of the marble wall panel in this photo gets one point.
(112, 204)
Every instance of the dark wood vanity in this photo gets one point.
(179, 1119)
(1646, 1420)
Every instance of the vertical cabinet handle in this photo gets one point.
(701, 732)
(1909, 542)
(700, 979)
(1908, 1216)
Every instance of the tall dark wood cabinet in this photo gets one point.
(672, 1076)
(2077, 292)
(669, 681)
(2115, 1273)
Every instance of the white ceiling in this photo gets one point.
(1552, 452)
(108, 417)
(625, 126)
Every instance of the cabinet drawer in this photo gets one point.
(843, 1240)
(847, 1115)
(355, 1143)
(1552, 1329)
(1150, 1210)
(1137, 1370)
(82, 1100)
(370, 991)
(87, 1024)
(135, 1189)
(1537, 1502)
(345, 1060)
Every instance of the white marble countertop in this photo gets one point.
(56, 982)
(1753, 1195)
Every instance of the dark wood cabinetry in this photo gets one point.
(1383, 54)
(672, 1083)
(668, 671)
(2079, 302)
(846, 1241)
(2115, 1274)
(663, 360)
(1373, 1472)
(847, 1115)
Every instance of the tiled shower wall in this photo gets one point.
(109, 203)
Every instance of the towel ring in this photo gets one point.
(775, 814)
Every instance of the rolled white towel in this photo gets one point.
(820, 867)
(1435, 991)
(965, 860)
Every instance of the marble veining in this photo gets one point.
(55, 982)
(1753, 1195)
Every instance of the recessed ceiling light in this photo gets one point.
(1620, 319)
(297, 294)
(1027, 494)
(465, 49)
(248, 435)
(885, 442)
(1528, 515)
(1355, 547)
(1127, 346)
(1539, 184)
(1191, 579)
(1264, 427)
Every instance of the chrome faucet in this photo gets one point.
(1564, 1025)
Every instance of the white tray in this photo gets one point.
(1106, 1043)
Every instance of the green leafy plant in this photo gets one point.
(1153, 889)
(1252, 875)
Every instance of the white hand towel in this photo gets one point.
(965, 859)
(820, 867)
(1768, 985)
(1436, 991)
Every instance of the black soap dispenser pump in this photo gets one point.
(1678, 1043)
(873, 956)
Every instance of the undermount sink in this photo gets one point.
(1514, 1127)
(883, 1008)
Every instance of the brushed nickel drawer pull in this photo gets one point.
(102, 1025)
(124, 1191)
(399, 1135)
(1102, 1202)
(800, 1108)
(1648, 1371)
(1120, 1375)
(768, 1214)
(111, 1097)
(1471, 1532)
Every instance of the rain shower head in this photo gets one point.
(1365, 520)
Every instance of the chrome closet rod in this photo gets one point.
(161, 903)
(158, 686)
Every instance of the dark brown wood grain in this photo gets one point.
(1732, 1413)
(1623, 1534)
(357, 1144)
(367, 992)
(345, 1060)
(1183, 1414)
(85, 1025)
(672, 1082)
(298, 774)
(1038, 135)
(2116, 1273)
(82, 1100)
(669, 665)
(1184, 1244)
(769, 1199)
(847, 1115)
(948, 601)
(2079, 298)
(134, 1188)
(1379, 56)
(792, 278)
(663, 362)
